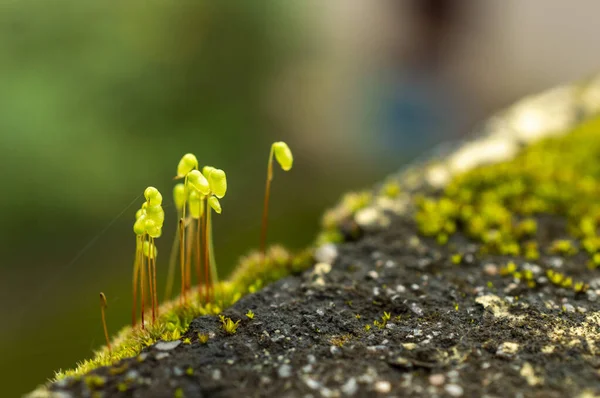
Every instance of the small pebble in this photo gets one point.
(177, 371)
(326, 253)
(437, 379)
(416, 309)
(167, 345)
(373, 275)
(350, 387)
(284, 371)
(454, 390)
(568, 308)
(592, 295)
(162, 355)
(216, 374)
(383, 387)
(490, 269)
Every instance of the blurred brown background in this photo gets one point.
(99, 99)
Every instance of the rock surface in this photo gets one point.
(391, 313)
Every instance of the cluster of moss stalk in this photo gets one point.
(195, 198)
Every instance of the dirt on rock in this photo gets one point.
(393, 315)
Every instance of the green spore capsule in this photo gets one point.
(179, 194)
(283, 154)
(213, 202)
(153, 197)
(196, 205)
(156, 214)
(187, 163)
(197, 181)
(217, 181)
(149, 250)
(139, 227)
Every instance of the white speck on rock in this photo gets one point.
(367, 216)
(311, 359)
(131, 375)
(326, 253)
(437, 379)
(167, 345)
(177, 371)
(320, 312)
(383, 387)
(334, 350)
(322, 268)
(507, 349)
(350, 387)
(284, 371)
(454, 390)
(416, 309)
(162, 355)
(568, 308)
(216, 374)
(312, 383)
(373, 275)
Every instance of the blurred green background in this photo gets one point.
(99, 99)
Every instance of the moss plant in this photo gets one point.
(498, 204)
(284, 157)
(103, 306)
(217, 182)
(199, 195)
(148, 226)
(228, 325)
(252, 273)
(203, 338)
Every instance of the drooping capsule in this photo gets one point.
(149, 250)
(214, 203)
(197, 181)
(153, 196)
(217, 181)
(187, 163)
(179, 196)
(283, 154)
(195, 204)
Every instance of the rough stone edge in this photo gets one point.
(500, 138)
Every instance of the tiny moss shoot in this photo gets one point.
(284, 157)
(229, 326)
(103, 307)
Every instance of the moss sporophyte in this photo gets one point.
(195, 196)
(284, 157)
